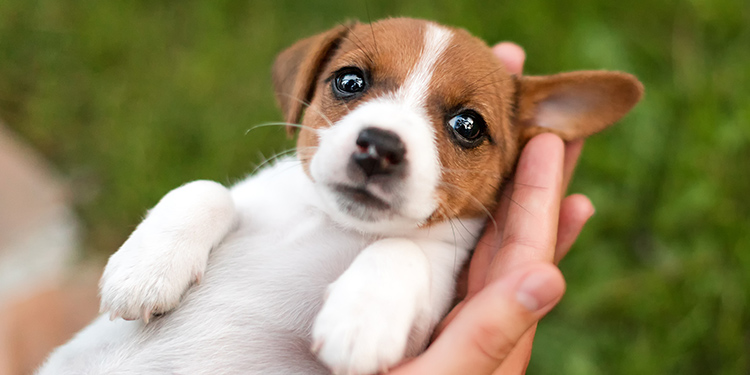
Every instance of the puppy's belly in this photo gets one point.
(253, 312)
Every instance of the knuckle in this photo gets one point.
(493, 342)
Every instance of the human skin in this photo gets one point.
(512, 279)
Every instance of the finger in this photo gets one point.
(575, 211)
(512, 56)
(572, 152)
(489, 244)
(448, 319)
(518, 359)
(489, 325)
(530, 232)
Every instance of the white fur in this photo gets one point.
(167, 252)
(416, 195)
(348, 331)
(281, 242)
(414, 90)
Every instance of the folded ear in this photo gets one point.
(573, 105)
(297, 68)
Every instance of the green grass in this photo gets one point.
(130, 99)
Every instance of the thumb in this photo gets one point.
(490, 324)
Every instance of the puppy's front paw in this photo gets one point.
(167, 252)
(142, 279)
(362, 331)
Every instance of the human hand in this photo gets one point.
(511, 281)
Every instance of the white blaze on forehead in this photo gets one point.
(404, 113)
(414, 90)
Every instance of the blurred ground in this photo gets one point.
(42, 301)
(130, 99)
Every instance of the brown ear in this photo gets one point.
(297, 68)
(574, 105)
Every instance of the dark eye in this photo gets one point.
(349, 82)
(468, 128)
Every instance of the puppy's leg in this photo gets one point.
(373, 307)
(167, 252)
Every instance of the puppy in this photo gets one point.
(344, 258)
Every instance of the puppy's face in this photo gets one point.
(407, 122)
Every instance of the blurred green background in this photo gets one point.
(130, 99)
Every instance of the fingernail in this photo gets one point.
(538, 289)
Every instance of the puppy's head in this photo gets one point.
(405, 122)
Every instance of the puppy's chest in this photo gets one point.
(275, 274)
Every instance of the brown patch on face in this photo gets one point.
(469, 77)
(384, 50)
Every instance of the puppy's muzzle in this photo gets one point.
(379, 152)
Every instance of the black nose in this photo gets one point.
(379, 152)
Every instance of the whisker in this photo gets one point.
(348, 110)
(529, 185)
(510, 198)
(466, 229)
(455, 216)
(360, 45)
(472, 90)
(267, 124)
(455, 246)
(476, 88)
(309, 106)
(472, 171)
(289, 168)
(491, 72)
(478, 237)
(372, 29)
(487, 172)
(279, 155)
(272, 158)
(482, 206)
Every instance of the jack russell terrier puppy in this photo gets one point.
(344, 258)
